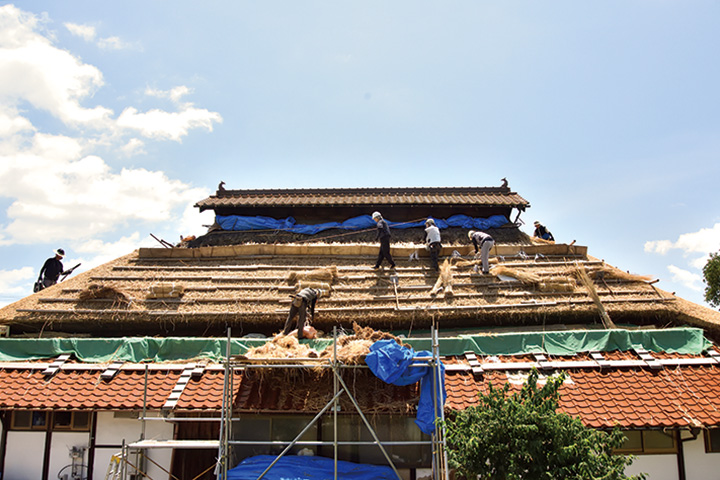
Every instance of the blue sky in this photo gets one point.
(116, 117)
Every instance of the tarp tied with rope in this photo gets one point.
(241, 223)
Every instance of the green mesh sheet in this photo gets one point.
(568, 342)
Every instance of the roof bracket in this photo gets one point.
(543, 362)
(474, 363)
(55, 365)
(598, 357)
(182, 382)
(648, 358)
(111, 371)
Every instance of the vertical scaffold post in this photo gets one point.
(222, 460)
(336, 405)
(438, 374)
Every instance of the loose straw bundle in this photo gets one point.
(541, 241)
(311, 284)
(519, 274)
(610, 272)
(585, 280)
(444, 280)
(326, 274)
(107, 291)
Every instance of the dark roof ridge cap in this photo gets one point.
(355, 190)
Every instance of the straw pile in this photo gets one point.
(96, 291)
(282, 346)
(444, 281)
(326, 274)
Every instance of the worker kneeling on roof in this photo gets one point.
(302, 301)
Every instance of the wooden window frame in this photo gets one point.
(643, 450)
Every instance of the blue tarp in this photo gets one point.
(390, 362)
(295, 467)
(363, 222)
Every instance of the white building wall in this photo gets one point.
(60, 447)
(698, 464)
(111, 432)
(24, 455)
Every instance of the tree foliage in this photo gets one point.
(711, 276)
(523, 436)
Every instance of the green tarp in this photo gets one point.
(567, 342)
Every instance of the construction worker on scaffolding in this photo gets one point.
(303, 301)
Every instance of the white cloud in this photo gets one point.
(705, 240)
(15, 283)
(168, 125)
(690, 280)
(112, 43)
(174, 94)
(86, 32)
(48, 78)
(59, 187)
(658, 246)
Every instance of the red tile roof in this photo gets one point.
(479, 196)
(635, 397)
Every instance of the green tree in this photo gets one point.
(523, 436)
(711, 276)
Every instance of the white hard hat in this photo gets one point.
(376, 215)
(471, 233)
(429, 222)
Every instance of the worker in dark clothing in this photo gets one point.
(302, 301)
(432, 242)
(52, 269)
(542, 232)
(383, 234)
(483, 243)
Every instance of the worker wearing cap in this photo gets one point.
(302, 301)
(542, 232)
(52, 269)
(383, 234)
(432, 242)
(483, 243)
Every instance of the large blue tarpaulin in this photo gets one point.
(391, 363)
(363, 222)
(295, 467)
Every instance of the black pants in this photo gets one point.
(384, 253)
(301, 313)
(435, 248)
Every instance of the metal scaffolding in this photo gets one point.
(225, 443)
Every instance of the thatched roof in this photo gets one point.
(202, 291)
